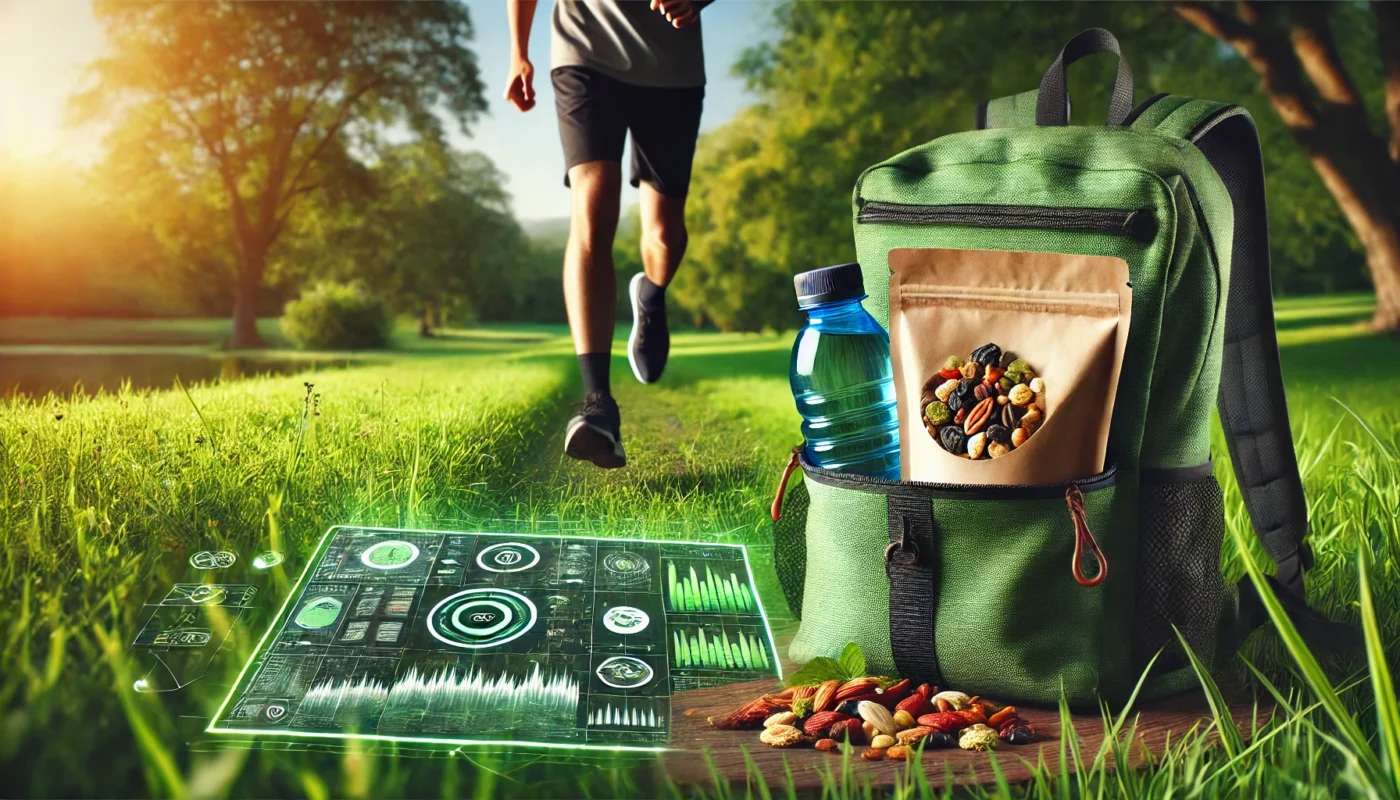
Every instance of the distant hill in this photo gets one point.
(554, 231)
(547, 230)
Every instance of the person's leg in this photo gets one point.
(592, 131)
(664, 125)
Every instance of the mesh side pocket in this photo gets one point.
(1179, 578)
(790, 546)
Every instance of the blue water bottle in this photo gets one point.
(841, 377)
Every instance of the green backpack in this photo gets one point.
(970, 586)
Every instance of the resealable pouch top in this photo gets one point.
(1066, 316)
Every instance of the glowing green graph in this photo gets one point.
(696, 649)
(714, 593)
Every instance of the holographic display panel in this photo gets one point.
(467, 638)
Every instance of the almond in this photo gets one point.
(916, 704)
(819, 724)
(825, 698)
(849, 729)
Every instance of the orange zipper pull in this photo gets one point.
(777, 509)
(1083, 536)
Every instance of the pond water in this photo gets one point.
(37, 374)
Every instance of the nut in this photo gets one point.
(997, 449)
(1005, 384)
(825, 697)
(882, 741)
(942, 705)
(1017, 368)
(877, 715)
(1037, 385)
(781, 718)
(1020, 395)
(819, 724)
(943, 721)
(1019, 437)
(1002, 400)
(944, 389)
(978, 737)
(1001, 716)
(781, 736)
(903, 720)
(869, 730)
(1032, 421)
(976, 445)
(801, 706)
(913, 735)
(826, 745)
(980, 415)
(897, 753)
(855, 686)
(1011, 415)
(848, 729)
(873, 755)
(972, 370)
(915, 704)
(958, 700)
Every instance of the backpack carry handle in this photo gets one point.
(1052, 102)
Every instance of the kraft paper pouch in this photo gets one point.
(1067, 315)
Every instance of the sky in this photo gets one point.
(45, 44)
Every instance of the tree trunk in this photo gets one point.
(426, 322)
(1381, 239)
(245, 334)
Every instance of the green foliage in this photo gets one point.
(847, 85)
(337, 316)
(850, 665)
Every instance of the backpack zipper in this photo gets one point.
(1135, 223)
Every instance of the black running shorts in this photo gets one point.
(596, 112)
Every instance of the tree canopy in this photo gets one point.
(254, 106)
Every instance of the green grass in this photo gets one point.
(103, 496)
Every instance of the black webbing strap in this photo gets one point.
(1052, 104)
(911, 562)
(1253, 408)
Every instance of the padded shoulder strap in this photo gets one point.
(1253, 409)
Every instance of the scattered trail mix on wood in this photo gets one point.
(889, 715)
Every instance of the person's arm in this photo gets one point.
(520, 86)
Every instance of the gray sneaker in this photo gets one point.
(595, 433)
(650, 341)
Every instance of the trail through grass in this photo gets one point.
(103, 498)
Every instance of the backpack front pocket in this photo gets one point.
(1007, 591)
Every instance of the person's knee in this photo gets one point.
(597, 186)
(667, 240)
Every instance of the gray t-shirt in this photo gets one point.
(627, 41)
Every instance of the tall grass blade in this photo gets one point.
(1224, 723)
(1356, 744)
(1382, 685)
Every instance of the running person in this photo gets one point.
(618, 66)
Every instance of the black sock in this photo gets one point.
(651, 295)
(595, 370)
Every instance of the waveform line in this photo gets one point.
(332, 697)
(447, 691)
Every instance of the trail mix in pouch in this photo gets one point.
(983, 406)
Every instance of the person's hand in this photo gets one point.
(520, 86)
(680, 13)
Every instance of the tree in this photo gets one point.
(430, 230)
(261, 104)
(1292, 48)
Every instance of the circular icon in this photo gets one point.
(273, 712)
(393, 554)
(204, 594)
(207, 559)
(267, 559)
(508, 557)
(319, 613)
(478, 618)
(625, 568)
(625, 619)
(625, 672)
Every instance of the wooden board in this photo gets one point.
(691, 736)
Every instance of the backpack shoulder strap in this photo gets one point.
(1253, 409)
